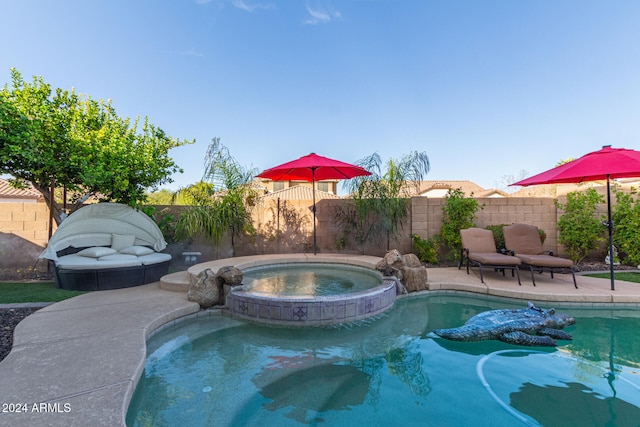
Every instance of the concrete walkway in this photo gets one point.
(77, 362)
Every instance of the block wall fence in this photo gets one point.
(24, 233)
(287, 227)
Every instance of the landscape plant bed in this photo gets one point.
(9, 318)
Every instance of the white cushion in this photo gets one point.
(118, 257)
(75, 262)
(121, 241)
(154, 258)
(96, 252)
(136, 250)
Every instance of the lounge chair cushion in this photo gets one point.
(121, 241)
(481, 247)
(136, 250)
(478, 240)
(524, 241)
(154, 258)
(118, 257)
(545, 261)
(494, 258)
(96, 252)
(77, 262)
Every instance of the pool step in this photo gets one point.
(175, 282)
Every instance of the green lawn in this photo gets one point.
(33, 292)
(627, 277)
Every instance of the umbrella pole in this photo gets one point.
(313, 191)
(610, 227)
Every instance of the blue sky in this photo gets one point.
(487, 88)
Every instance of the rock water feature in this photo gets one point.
(406, 268)
(208, 288)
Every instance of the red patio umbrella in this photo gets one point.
(311, 168)
(607, 163)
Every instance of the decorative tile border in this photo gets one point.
(313, 311)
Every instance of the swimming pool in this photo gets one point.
(390, 370)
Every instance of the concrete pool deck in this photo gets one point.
(77, 362)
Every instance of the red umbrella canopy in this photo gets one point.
(313, 167)
(597, 165)
(605, 164)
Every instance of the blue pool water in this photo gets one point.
(219, 371)
(309, 280)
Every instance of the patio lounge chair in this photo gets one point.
(479, 248)
(524, 241)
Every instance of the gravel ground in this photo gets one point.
(9, 318)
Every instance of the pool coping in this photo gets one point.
(77, 362)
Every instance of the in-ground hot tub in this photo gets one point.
(311, 293)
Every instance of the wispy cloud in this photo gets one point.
(251, 7)
(188, 52)
(321, 14)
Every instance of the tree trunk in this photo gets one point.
(46, 193)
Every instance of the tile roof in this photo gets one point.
(299, 192)
(557, 190)
(467, 186)
(8, 192)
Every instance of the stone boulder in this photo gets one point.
(411, 260)
(392, 259)
(206, 290)
(229, 275)
(407, 269)
(415, 279)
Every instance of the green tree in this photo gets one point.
(160, 197)
(458, 213)
(222, 204)
(67, 140)
(580, 230)
(381, 201)
(626, 220)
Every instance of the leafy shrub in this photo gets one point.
(459, 212)
(164, 219)
(580, 230)
(543, 235)
(626, 219)
(425, 249)
(498, 235)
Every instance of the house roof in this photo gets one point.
(8, 192)
(299, 192)
(557, 190)
(439, 188)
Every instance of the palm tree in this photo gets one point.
(381, 200)
(221, 202)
